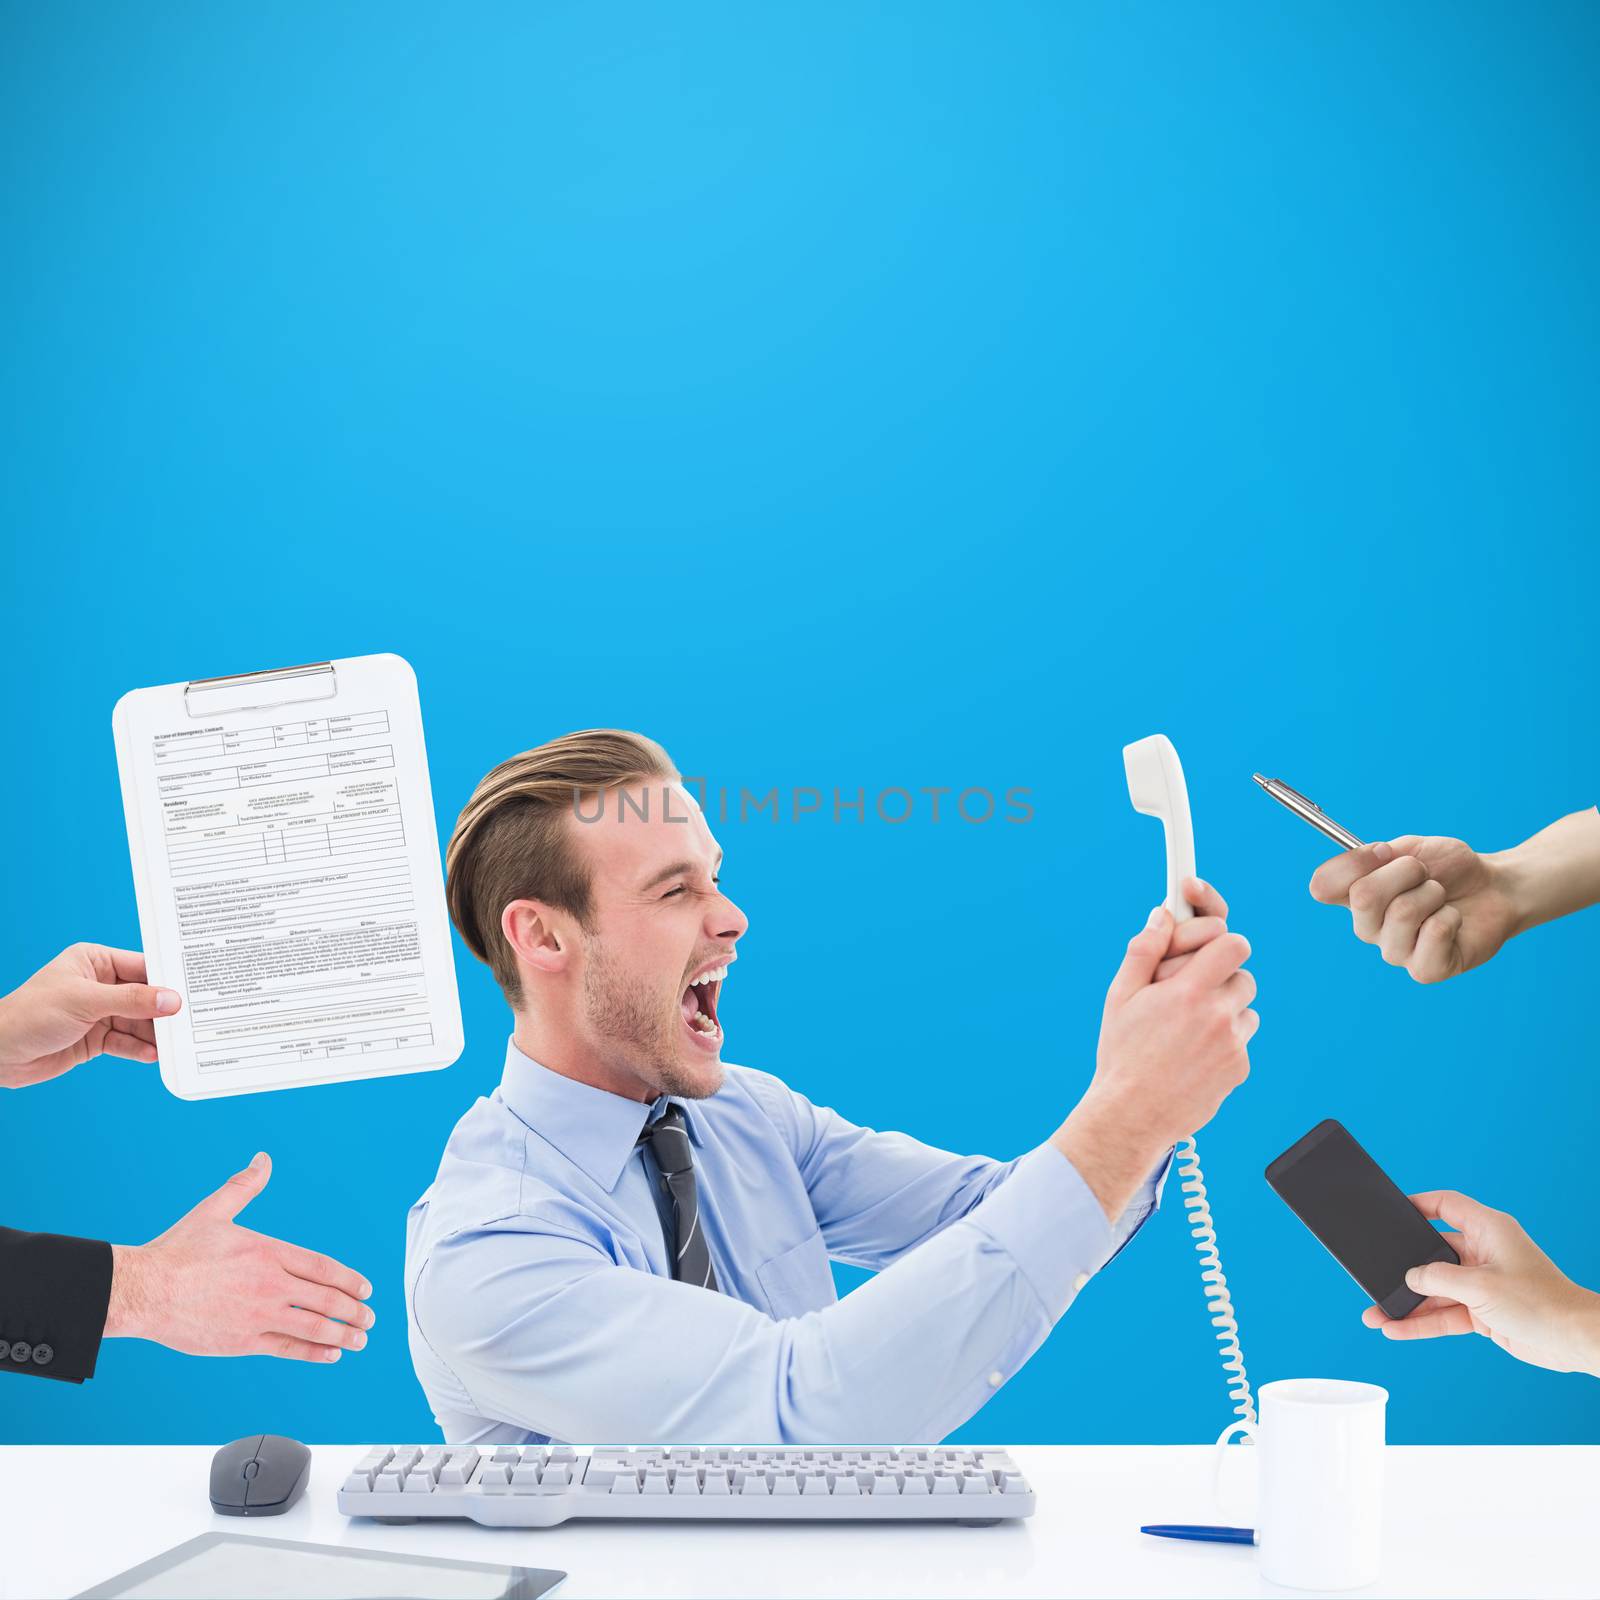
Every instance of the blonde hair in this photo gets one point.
(512, 840)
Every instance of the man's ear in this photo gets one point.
(531, 931)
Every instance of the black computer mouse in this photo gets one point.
(261, 1476)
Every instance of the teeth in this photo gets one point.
(716, 975)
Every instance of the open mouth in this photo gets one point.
(699, 1005)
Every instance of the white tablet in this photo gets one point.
(236, 1566)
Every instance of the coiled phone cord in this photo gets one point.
(1218, 1301)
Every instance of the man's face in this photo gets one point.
(661, 938)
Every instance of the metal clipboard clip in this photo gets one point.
(242, 691)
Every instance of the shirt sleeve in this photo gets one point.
(545, 1331)
(878, 1195)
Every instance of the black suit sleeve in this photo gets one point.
(54, 1292)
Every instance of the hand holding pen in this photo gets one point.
(1436, 906)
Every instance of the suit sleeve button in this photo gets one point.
(22, 1351)
(43, 1355)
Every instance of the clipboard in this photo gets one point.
(286, 869)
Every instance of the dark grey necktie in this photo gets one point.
(668, 1141)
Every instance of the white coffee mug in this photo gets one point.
(1319, 1446)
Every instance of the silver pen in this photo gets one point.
(1308, 811)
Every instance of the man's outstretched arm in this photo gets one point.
(877, 1195)
(546, 1332)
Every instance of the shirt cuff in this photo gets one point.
(1046, 1218)
(1143, 1205)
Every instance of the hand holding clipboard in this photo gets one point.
(286, 865)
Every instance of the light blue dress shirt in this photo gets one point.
(541, 1303)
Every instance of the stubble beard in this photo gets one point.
(640, 1028)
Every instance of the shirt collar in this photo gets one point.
(593, 1128)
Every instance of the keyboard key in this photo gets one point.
(685, 1480)
(755, 1483)
(358, 1483)
(655, 1481)
(625, 1483)
(389, 1482)
(418, 1483)
(845, 1485)
(886, 1483)
(974, 1483)
(717, 1481)
(916, 1484)
(943, 1483)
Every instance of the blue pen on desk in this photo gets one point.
(1201, 1532)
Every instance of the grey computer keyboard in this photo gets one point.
(539, 1485)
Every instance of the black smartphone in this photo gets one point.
(1359, 1213)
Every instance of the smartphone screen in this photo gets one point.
(1367, 1224)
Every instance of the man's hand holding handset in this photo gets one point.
(1174, 1043)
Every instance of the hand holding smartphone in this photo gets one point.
(1359, 1214)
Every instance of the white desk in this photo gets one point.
(1490, 1522)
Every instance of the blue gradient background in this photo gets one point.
(933, 394)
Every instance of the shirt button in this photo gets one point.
(995, 1380)
(43, 1355)
(1079, 1281)
(22, 1351)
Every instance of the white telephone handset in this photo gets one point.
(1157, 789)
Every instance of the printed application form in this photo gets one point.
(286, 866)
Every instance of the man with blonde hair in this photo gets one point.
(630, 1240)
